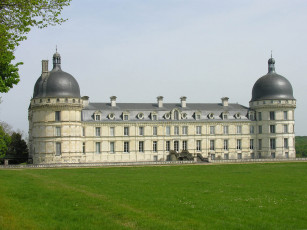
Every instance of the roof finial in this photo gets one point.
(56, 48)
(271, 53)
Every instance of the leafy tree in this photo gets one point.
(17, 146)
(17, 17)
(5, 141)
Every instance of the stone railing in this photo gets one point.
(106, 164)
(258, 160)
(101, 164)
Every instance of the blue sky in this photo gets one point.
(138, 50)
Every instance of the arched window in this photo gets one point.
(176, 115)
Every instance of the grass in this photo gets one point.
(238, 196)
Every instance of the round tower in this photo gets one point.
(274, 105)
(55, 117)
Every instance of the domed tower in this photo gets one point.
(274, 105)
(55, 116)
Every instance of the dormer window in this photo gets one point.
(97, 117)
(167, 116)
(111, 116)
(154, 116)
(237, 116)
(211, 116)
(140, 116)
(184, 116)
(176, 115)
(224, 115)
(197, 115)
(125, 116)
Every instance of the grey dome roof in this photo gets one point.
(272, 86)
(56, 83)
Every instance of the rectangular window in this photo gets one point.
(83, 131)
(58, 150)
(239, 142)
(167, 130)
(112, 147)
(58, 131)
(198, 145)
(272, 143)
(226, 129)
(212, 156)
(260, 129)
(273, 154)
(239, 129)
(126, 117)
(252, 129)
(259, 116)
(97, 117)
(251, 144)
(212, 129)
(251, 116)
(154, 131)
(253, 155)
(112, 131)
(272, 115)
(141, 146)
(83, 148)
(225, 144)
(141, 131)
(57, 115)
(154, 146)
(285, 115)
(184, 130)
(212, 145)
(97, 131)
(285, 128)
(97, 147)
(176, 130)
(226, 156)
(286, 143)
(198, 130)
(184, 145)
(272, 128)
(239, 155)
(126, 131)
(167, 146)
(126, 147)
(176, 146)
(259, 144)
(154, 117)
(286, 154)
(198, 117)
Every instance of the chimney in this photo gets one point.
(85, 101)
(44, 67)
(113, 101)
(183, 100)
(225, 101)
(160, 101)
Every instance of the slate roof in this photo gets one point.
(147, 109)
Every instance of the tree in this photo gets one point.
(5, 141)
(17, 17)
(18, 146)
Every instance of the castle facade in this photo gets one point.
(67, 128)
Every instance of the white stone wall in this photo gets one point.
(43, 136)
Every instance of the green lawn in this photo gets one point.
(238, 196)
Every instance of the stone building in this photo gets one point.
(67, 128)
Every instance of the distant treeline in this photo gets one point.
(301, 146)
